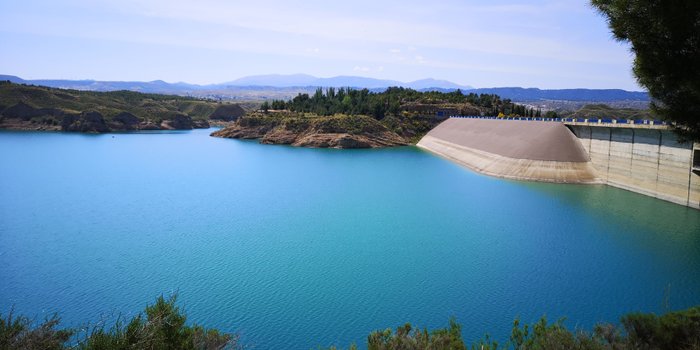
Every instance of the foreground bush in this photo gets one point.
(163, 326)
(671, 331)
(18, 333)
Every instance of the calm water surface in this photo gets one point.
(295, 248)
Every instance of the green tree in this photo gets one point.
(665, 38)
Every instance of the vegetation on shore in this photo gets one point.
(397, 100)
(311, 130)
(164, 326)
(161, 326)
(675, 330)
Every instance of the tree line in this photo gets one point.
(393, 101)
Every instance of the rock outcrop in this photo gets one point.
(148, 125)
(84, 122)
(124, 121)
(344, 140)
(183, 122)
(177, 122)
(200, 124)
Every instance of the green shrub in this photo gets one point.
(21, 333)
(164, 326)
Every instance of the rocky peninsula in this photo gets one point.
(337, 131)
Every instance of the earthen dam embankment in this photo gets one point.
(513, 149)
(642, 159)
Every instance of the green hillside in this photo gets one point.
(109, 104)
(605, 111)
(38, 107)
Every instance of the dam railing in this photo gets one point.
(587, 121)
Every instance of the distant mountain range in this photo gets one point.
(272, 80)
(303, 80)
(278, 84)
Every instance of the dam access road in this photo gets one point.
(642, 158)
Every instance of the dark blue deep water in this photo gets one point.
(295, 248)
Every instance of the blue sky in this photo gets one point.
(546, 44)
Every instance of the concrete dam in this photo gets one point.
(642, 158)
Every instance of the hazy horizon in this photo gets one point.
(543, 44)
(464, 87)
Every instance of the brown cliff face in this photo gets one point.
(314, 132)
(124, 121)
(344, 140)
(84, 122)
(177, 122)
(200, 124)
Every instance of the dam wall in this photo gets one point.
(521, 150)
(647, 160)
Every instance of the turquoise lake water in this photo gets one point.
(295, 248)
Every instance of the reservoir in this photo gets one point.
(294, 248)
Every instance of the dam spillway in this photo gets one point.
(513, 149)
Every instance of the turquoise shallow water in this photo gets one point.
(295, 248)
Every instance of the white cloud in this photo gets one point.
(499, 35)
(481, 34)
